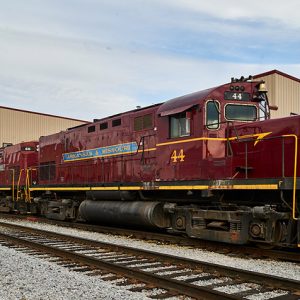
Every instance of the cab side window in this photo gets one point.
(180, 125)
(212, 115)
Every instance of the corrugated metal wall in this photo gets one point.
(283, 92)
(17, 126)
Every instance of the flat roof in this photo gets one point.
(42, 114)
(276, 72)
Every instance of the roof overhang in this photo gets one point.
(181, 104)
(176, 110)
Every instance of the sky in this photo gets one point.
(87, 59)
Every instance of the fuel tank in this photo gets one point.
(133, 213)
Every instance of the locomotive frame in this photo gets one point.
(210, 164)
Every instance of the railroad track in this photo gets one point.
(170, 276)
(290, 255)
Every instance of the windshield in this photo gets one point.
(240, 112)
(212, 115)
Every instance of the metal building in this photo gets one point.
(20, 125)
(283, 92)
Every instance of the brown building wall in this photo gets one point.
(17, 125)
(283, 91)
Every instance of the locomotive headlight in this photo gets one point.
(237, 88)
(231, 87)
(242, 88)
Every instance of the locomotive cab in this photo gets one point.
(195, 128)
(18, 171)
(241, 101)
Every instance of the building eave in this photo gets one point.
(276, 72)
(42, 114)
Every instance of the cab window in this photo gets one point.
(212, 115)
(240, 112)
(180, 125)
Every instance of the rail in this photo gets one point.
(244, 251)
(156, 268)
(295, 175)
(28, 183)
(13, 184)
(142, 144)
(19, 192)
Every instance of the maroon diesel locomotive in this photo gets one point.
(18, 171)
(211, 165)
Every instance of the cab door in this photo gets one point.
(216, 152)
(179, 147)
(213, 131)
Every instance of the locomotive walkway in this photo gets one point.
(168, 275)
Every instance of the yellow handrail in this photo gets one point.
(18, 185)
(295, 175)
(13, 185)
(27, 185)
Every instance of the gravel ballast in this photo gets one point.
(56, 282)
(26, 277)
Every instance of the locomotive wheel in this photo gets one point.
(277, 237)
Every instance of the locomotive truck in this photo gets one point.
(211, 165)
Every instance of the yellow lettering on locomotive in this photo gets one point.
(175, 157)
(181, 155)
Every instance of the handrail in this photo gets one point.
(27, 187)
(13, 184)
(294, 200)
(142, 143)
(29, 183)
(233, 126)
(295, 175)
(18, 184)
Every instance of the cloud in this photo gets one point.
(98, 59)
(257, 10)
